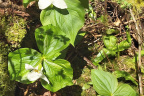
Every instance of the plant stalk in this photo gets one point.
(139, 54)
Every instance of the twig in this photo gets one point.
(131, 21)
(139, 55)
(86, 59)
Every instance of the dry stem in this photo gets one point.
(139, 55)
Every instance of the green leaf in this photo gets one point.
(125, 90)
(102, 54)
(128, 37)
(111, 31)
(26, 2)
(59, 73)
(110, 42)
(126, 75)
(103, 82)
(126, 43)
(17, 61)
(123, 45)
(69, 20)
(51, 40)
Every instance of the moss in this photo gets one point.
(85, 78)
(13, 27)
(12, 31)
(124, 63)
(136, 4)
(6, 86)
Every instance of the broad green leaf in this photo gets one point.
(26, 2)
(102, 54)
(125, 90)
(51, 40)
(103, 82)
(126, 75)
(110, 42)
(17, 61)
(69, 20)
(59, 73)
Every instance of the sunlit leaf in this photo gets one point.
(51, 40)
(126, 43)
(69, 20)
(125, 90)
(102, 54)
(59, 73)
(17, 61)
(103, 82)
(110, 42)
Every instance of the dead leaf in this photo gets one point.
(117, 22)
(48, 93)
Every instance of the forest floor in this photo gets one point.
(100, 17)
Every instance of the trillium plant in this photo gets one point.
(61, 20)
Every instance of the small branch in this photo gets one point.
(139, 55)
(87, 60)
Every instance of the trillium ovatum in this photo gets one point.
(69, 20)
(51, 41)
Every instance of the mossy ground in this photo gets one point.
(7, 87)
(12, 31)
